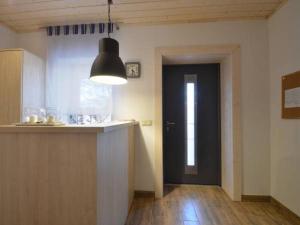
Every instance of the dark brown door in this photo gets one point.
(191, 117)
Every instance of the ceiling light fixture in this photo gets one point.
(108, 67)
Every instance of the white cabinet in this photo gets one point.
(22, 84)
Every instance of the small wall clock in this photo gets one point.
(133, 69)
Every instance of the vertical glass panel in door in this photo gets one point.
(190, 124)
(190, 89)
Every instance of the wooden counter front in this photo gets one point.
(66, 175)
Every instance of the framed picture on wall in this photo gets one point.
(133, 69)
(291, 96)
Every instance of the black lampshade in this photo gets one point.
(108, 68)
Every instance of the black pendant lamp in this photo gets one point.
(108, 67)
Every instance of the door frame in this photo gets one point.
(227, 51)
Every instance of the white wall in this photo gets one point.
(136, 99)
(7, 38)
(35, 42)
(284, 34)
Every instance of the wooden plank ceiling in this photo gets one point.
(31, 15)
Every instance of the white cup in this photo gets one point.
(33, 119)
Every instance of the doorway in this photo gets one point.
(229, 56)
(191, 118)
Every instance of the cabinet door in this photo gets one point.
(10, 86)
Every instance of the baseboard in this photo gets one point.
(256, 198)
(144, 194)
(284, 210)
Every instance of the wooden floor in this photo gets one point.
(203, 205)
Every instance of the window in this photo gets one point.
(68, 88)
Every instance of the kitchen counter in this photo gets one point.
(66, 174)
(99, 128)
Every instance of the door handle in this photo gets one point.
(170, 123)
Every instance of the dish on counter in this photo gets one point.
(39, 124)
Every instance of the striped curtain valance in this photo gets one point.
(80, 29)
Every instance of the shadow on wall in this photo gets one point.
(144, 171)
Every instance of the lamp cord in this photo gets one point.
(109, 2)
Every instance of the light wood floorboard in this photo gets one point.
(203, 205)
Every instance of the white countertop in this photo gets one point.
(101, 128)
